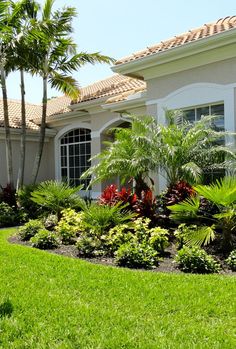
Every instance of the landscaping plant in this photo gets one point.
(222, 193)
(196, 260)
(54, 196)
(30, 229)
(231, 260)
(44, 239)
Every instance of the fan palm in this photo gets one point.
(223, 194)
(55, 196)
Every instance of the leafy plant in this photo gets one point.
(222, 193)
(180, 149)
(178, 192)
(24, 201)
(194, 235)
(90, 245)
(30, 229)
(7, 215)
(196, 260)
(231, 260)
(55, 196)
(8, 195)
(44, 239)
(102, 218)
(70, 225)
(136, 256)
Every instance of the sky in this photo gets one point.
(119, 28)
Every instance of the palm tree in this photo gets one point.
(179, 149)
(222, 194)
(23, 14)
(130, 156)
(185, 151)
(5, 41)
(55, 59)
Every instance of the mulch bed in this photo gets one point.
(166, 265)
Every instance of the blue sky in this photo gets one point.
(118, 28)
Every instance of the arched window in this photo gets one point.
(75, 152)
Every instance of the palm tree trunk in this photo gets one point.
(39, 153)
(20, 179)
(140, 185)
(7, 129)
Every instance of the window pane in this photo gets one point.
(189, 115)
(203, 111)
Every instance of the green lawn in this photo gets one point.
(50, 301)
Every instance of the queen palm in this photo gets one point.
(54, 58)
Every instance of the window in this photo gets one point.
(75, 152)
(194, 114)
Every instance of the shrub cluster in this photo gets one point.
(231, 260)
(196, 260)
(30, 229)
(45, 239)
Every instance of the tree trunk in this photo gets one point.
(39, 153)
(7, 130)
(227, 239)
(20, 179)
(140, 185)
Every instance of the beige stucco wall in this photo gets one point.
(46, 170)
(223, 72)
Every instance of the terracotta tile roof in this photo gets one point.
(58, 105)
(116, 85)
(205, 31)
(14, 106)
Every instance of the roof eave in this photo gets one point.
(133, 67)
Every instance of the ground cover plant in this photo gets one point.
(49, 301)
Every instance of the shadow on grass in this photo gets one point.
(6, 309)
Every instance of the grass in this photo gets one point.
(51, 301)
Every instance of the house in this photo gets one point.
(194, 71)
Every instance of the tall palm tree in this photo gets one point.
(24, 13)
(55, 59)
(5, 41)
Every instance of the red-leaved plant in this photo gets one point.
(178, 192)
(143, 206)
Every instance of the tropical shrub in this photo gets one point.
(195, 260)
(90, 245)
(55, 196)
(103, 217)
(222, 194)
(50, 221)
(193, 234)
(137, 233)
(70, 225)
(44, 240)
(25, 203)
(133, 255)
(178, 192)
(231, 260)
(181, 150)
(8, 216)
(30, 229)
(8, 195)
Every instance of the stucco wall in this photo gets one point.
(223, 72)
(47, 165)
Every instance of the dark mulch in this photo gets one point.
(166, 265)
